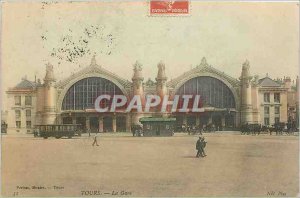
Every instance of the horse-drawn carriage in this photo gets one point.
(251, 128)
(279, 128)
(209, 128)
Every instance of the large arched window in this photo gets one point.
(213, 92)
(82, 94)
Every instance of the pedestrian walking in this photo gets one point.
(89, 131)
(189, 129)
(95, 140)
(203, 144)
(199, 147)
(200, 129)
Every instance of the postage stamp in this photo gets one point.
(168, 7)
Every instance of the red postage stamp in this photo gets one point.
(168, 7)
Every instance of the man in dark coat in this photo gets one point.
(199, 147)
(203, 144)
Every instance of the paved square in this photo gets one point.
(236, 165)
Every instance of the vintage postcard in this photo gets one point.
(153, 98)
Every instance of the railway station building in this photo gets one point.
(228, 102)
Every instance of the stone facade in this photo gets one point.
(264, 101)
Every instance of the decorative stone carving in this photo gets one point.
(150, 83)
(246, 65)
(255, 80)
(93, 61)
(137, 72)
(161, 75)
(137, 66)
(137, 78)
(49, 73)
(203, 62)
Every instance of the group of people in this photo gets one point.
(200, 145)
(197, 129)
(137, 130)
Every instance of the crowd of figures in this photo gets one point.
(137, 130)
(246, 129)
(278, 129)
(197, 129)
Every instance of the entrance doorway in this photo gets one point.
(121, 124)
(67, 120)
(157, 131)
(107, 124)
(94, 124)
(203, 120)
(191, 120)
(81, 121)
(229, 121)
(216, 120)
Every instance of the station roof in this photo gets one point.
(268, 82)
(25, 84)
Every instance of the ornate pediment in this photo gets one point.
(203, 69)
(94, 70)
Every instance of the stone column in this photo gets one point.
(161, 85)
(236, 120)
(50, 94)
(39, 104)
(23, 119)
(100, 123)
(246, 95)
(184, 120)
(197, 120)
(59, 119)
(128, 125)
(223, 121)
(114, 123)
(137, 88)
(73, 120)
(272, 113)
(209, 118)
(87, 123)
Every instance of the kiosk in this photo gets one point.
(158, 126)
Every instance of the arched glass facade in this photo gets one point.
(82, 94)
(212, 91)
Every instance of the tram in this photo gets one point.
(58, 130)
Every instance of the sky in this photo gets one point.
(226, 33)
